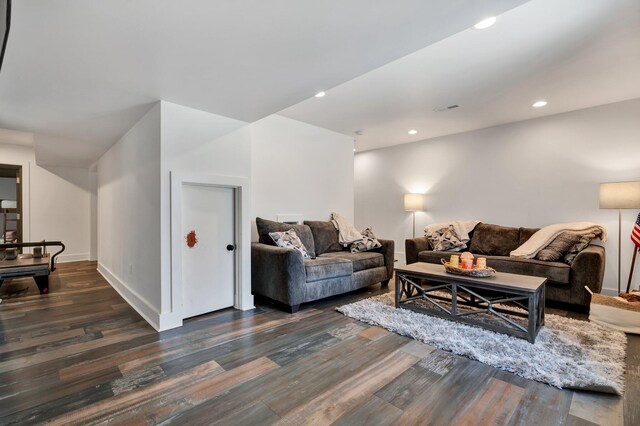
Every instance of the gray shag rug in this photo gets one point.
(568, 353)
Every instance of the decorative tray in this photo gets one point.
(475, 272)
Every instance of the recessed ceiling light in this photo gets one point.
(539, 104)
(354, 150)
(320, 94)
(485, 23)
(412, 131)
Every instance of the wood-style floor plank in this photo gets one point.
(81, 355)
(495, 404)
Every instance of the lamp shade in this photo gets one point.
(620, 195)
(413, 202)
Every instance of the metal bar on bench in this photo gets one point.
(38, 244)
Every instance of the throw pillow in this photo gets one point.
(445, 239)
(558, 247)
(265, 227)
(368, 242)
(582, 244)
(289, 239)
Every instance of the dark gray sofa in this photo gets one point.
(281, 274)
(565, 283)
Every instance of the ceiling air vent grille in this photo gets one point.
(446, 108)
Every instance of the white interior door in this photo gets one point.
(208, 268)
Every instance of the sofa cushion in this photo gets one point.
(557, 272)
(557, 248)
(361, 261)
(494, 240)
(304, 233)
(323, 268)
(526, 233)
(430, 256)
(289, 239)
(325, 236)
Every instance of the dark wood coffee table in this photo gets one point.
(483, 302)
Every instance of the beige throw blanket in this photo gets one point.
(545, 235)
(347, 233)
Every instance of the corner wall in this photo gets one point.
(531, 173)
(134, 191)
(128, 209)
(200, 143)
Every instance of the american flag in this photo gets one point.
(635, 233)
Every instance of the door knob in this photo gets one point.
(231, 247)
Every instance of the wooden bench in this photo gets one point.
(38, 268)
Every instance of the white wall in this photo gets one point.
(531, 173)
(93, 215)
(302, 169)
(55, 203)
(128, 209)
(199, 143)
(60, 209)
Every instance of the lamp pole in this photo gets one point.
(620, 195)
(414, 224)
(619, 245)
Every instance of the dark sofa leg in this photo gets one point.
(385, 283)
(293, 309)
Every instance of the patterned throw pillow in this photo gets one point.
(368, 242)
(558, 247)
(582, 244)
(289, 239)
(445, 239)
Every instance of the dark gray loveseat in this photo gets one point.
(565, 283)
(281, 274)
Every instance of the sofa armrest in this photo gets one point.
(388, 251)
(587, 269)
(414, 246)
(277, 273)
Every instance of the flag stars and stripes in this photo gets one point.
(635, 233)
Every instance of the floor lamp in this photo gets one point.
(414, 203)
(620, 195)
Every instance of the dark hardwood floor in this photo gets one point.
(81, 355)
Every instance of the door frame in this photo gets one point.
(18, 175)
(242, 196)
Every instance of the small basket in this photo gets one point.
(475, 272)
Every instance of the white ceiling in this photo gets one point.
(572, 53)
(82, 72)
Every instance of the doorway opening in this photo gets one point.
(216, 209)
(10, 204)
(208, 255)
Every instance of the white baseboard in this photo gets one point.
(72, 257)
(137, 302)
(609, 291)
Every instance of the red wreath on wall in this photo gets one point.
(191, 238)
